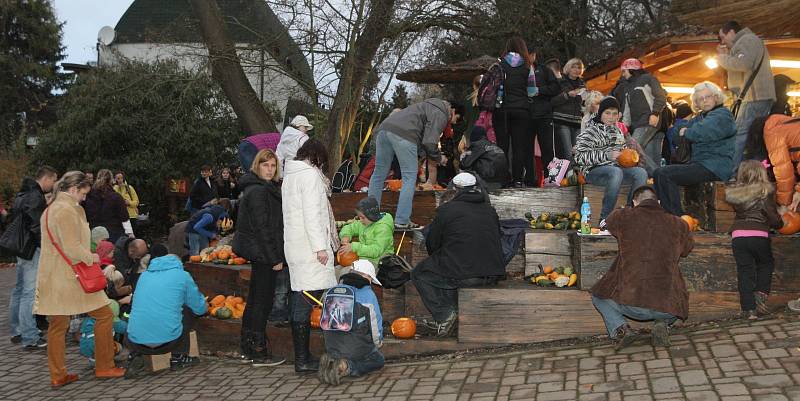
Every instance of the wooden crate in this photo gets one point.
(595, 195)
(709, 267)
(514, 203)
(547, 247)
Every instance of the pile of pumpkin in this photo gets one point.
(221, 255)
(693, 223)
(230, 307)
(555, 221)
(562, 276)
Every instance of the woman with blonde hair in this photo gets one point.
(591, 103)
(712, 134)
(259, 239)
(567, 108)
(66, 242)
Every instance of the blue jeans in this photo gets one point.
(652, 152)
(21, 318)
(388, 145)
(611, 177)
(368, 364)
(747, 113)
(197, 243)
(668, 178)
(565, 136)
(614, 314)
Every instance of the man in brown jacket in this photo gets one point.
(645, 282)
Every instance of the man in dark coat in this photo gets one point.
(203, 190)
(128, 254)
(465, 251)
(645, 282)
(29, 206)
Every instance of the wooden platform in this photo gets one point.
(425, 203)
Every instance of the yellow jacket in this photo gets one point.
(131, 199)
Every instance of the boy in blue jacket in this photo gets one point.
(165, 305)
(352, 326)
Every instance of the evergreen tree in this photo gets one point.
(30, 47)
(400, 97)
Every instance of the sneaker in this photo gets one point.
(266, 361)
(761, 302)
(135, 366)
(408, 226)
(446, 328)
(40, 343)
(660, 334)
(16, 339)
(749, 315)
(603, 227)
(794, 305)
(624, 336)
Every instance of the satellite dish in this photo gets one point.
(106, 35)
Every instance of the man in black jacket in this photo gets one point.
(465, 251)
(29, 206)
(128, 254)
(203, 190)
(485, 159)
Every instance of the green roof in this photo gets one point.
(247, 21)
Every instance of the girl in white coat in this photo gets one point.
(309, 233)
(292, 138)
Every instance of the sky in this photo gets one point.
(82, 21)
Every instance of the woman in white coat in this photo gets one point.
(309, 233)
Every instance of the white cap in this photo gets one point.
(365, 267)
(301, 121)
(462, 180)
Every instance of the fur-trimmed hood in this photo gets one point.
(748, 194)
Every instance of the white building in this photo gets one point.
(166, 29)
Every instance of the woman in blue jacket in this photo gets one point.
(202, 226)
(712, 135)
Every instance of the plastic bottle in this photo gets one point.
(500, 94)
(586, 216)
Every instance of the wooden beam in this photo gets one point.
(681, 62)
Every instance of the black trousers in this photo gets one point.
(259, 298)
(512, 128)
(179, 345)
(302, 305)
(668, 178)
(440, 293)
(754, 265)
(544, 131)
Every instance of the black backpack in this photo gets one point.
(344, 177)
(393, 271)
(491, 81)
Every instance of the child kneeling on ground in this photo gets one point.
(166, 303)
(352, 326)
(753, 199)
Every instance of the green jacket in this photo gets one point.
(374, 241)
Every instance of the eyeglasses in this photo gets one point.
(702, 99)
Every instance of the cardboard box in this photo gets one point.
(157, 362)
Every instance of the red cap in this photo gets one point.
(632, 64)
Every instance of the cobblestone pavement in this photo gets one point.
(734, 361)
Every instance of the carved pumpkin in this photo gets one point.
(346, 258)
(404, 328)
(691, 221)
(316, 315)
(628, 158)
(791, 223)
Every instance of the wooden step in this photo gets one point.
(424, 204)
(518, 313)
(547, 247)
(514, 203)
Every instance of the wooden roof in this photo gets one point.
(766, 18)
(680, 61)
(461, 72)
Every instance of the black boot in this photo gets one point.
(303, 362)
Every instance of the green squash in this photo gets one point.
(223, 313)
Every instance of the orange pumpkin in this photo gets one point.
(346, 258)
(628, 158)
(212, 256)
(791, 223)
(219, 300)
(691, 221)
(581, 179)
(239, 261)
(394, 185)
(404, 327)
(237, 300)
(195, 258)
(316, 315)
(223, 255)
(547, 269)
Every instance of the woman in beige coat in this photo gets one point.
(58, 293)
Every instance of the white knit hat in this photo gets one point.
(463, 180)
(301, 121)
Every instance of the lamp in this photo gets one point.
(712, 63)
(793, 94)
(784, 63)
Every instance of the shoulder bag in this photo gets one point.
(739, 99)
(90, 277)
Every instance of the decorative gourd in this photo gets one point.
(791, 223)
(223, 255)
(213, 310)
(219, 300)
(346, 258)
(404, 327)
(239, 261)
(195, 258)
(573, 278)
(316, 315)
(628, 158)
(691, 221)
(547, 269)
(223, 313)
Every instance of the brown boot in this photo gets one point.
(69, 378)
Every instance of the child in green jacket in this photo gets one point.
(375, 232)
